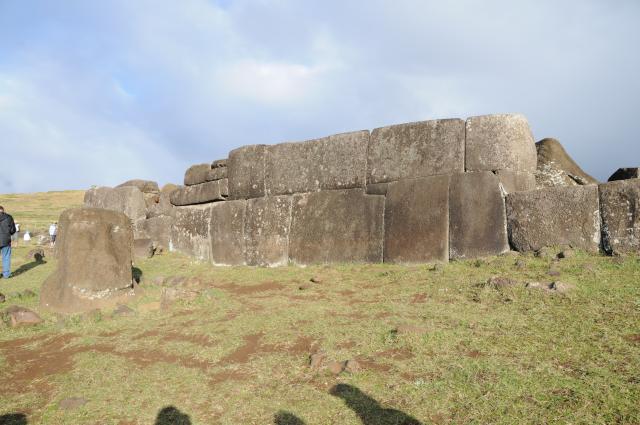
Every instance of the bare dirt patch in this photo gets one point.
(236, 289)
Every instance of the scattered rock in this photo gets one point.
(520, 265)
(72, 403)
(336, 368)
(316, 360)
(20, 316)
(567, 253)
(303, 287)
(498, 282)
(437, 267)
(36, 255)
(352, 366)
(546, 252)
(557, 287)
(123, 310)
(316, 279)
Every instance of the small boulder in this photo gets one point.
(336, 368)
(316, 279)
(352, 366)
(316, 360)
(20, 316)
(36, 255)
(498, 282)
(567, 253)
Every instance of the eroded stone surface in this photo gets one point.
(559, 216)
(417, 149)
(196, 174)
(500, 142)
(227, 227)
(94, 260)
(199, 193)
(145, 186)
(625, 174)
(620, 207)
(516, 181)
(268, 221)
(127, 199)
(557, 168)
(336, 226)
(190, 231)
(246, 172)
(416, 220)
(477, 219)
(159, 230)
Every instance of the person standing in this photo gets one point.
(7, 229)
(53, 232)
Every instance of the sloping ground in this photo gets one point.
(431, 344)
(36, 211)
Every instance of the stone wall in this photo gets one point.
(409, 193)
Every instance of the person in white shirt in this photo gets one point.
(53, 232)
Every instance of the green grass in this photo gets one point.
(36, 211)
(235, 356)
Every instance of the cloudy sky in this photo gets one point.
(97, 92)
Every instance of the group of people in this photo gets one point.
(10, 235)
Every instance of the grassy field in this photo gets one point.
(36, 211)
(425, 344)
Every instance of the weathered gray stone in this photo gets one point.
(94, 261)
(419, 149)
(620, 207)
(196, 174)
(164, 207)
(199, 193)
(477, 221)
(557, 168)
(142, 248)
(336, 226)
(145, 186)
(217, 173)
(334, 162)
(190, 231)
(558, 216)
(625, 174)
(377, 189)
(266, 231)
(224, 187)
(500, 142)
(516, 181)
(128, 200)
(219, 163)
(246, 172)
(227, 233)
(159, 230)
(416, 220)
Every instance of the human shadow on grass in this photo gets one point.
(286, 418)
(13, 419)
(369, 410)
(171, 415)
(26, 267)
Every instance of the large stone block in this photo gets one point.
(267, 225)
(197, 174)
(625, 174)
(219, 163)
(190, 231)
(500, 142)
(94, 261)
(199, 193)
(553, 217)
(217, 173)
(413, 150)
(246, 172)
(416, 220)
(227, 233)
(145, 186)
(334, 162)
(336, 226)
(477, 219)
(516, 181)
(557, 168)
(127, 199)
(620, 209)
(158, 229)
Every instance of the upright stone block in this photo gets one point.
(500, 142)
(198, 194)
(566, 215)
(226, 231)
(334, 162)
(416, 220)
(158, 229)
(246, 172)
(336, 226)
(477, 219)
(196, 174)
(127, 199)
(190, 231)
(413, 150)
(620, 209)
(268, 221)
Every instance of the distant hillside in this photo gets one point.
(35, 211)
